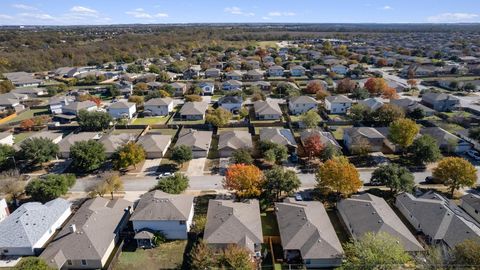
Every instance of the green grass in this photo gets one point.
(267, 44)
(213, 151)
(155, 120)
(170, 132)
(166, 256)
(27, 115)
(221, 130)
(458, 114)
(269, 224)
(295, 118)
(128, 131)
(187, 122)
(338, 133)
(21, 136)
(216, 97)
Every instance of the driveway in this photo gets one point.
(196, 166)
(150, 167)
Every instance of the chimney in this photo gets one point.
(73, 228)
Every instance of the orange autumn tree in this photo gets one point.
(390, 93)
(376, 86)
(313, 146)
(27, 124)
(245, 180)
(339, 175)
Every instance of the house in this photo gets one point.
(179, 88)
(339, 69)
(302, 104)
(212, 73)
(31, 92)
(122, 109)
(470, 203)
(6, 138)
(372, 103)
(297, 71)
(410, 105)
(28, 229)
(75, 107)
(358, 139)
(112, 142)
(55, 137)
(6, 102)
(232, 85)
(234, 223)
(254, 75)
(155, 145)
(192, 72)
(307, 235)
(158, 211)
(263, 85)
(325, 137)
(366, 213)
(125, 87)
(280, 136)
(276, 71)
(254, 64)
(56, 104)
(4, 211)
(90, 236)
(267, 110)
(446, 141)
(229, 141)
(234, 75)
(66, 143)
(318, 69)
(199, 141)
(338, 104)
(439, 219)
(440, 102)
(232, 104)
(193, 110)
(208, 88)
(158, 106)
(22, 79)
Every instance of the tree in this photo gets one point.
(12, 185)
(314, 87)
(7, 153)
(27, 124)
(455, 173)
(273, 152)
(412, 83)
(360, 93)
(330, 152)
(474, 133)
(340, 175)
(403, 132)
(278, 181)
(395, 177)
(38, 150)
(390, 93)
(6, 86)
(182, 154)
(50, 187)
(32, 263)
(375, 250)
(242, 156)
(193, 98)
(93, 121)
(174, 184)
(321, 95)
(376, 86)
(346, 86)
(138, 100)
(245, 180)
(87, 155)
(467, 253)
(219, 117)
(237, 257)
(359, 112)
(128, 155)
(416, 114)
(164, 93)
(202, 257)
(310, 119)
(387, 114)
(313, 146)
(154, 69)
(425, 149)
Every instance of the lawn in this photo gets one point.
(154, 120)
(269, 224)
(127, 131)
(222, 130)
(166, 256)
(27, 115)
(170, 132)
(295, 118)
(186, 122)
(21, 136)
(338, 133)
(267, 44)
(213, 151)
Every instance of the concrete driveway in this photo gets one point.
(150, 167)
(196, 166)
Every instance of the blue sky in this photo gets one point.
(71, 12)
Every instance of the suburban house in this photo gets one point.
(212, 73)
(125, 87)
(276, 71)
(254, 75)
(439, 219)
(193, 110)
(229, 141)
(192, 72)
(234, 75)
(339, 69)
(234, 223)
(440, 102)
(307, 235)
(254, 64)
(75, 107)
(4, 211)
(207, 88)
(55, 137)
(199, 141)
(326, 137)
(56, 104)
(263, 85)
(367, 213)
(363, 138)
(179, 88)
(318, 69)
(90, 236)
(280, 136)
(232, 104)
(112, 142)
(372, 103)
(155, 145)
(409, 105)
(232, 85)
(27, 230)
(6, 138)
(338, 104)
(158, 106)
(470, 203)
(122, 109)
(7, 102)
(158, 211)
(31, 92)
(22, 79)
(446, 141)
(67, 142)
(302, 104)
(267, 110)
(297, 71)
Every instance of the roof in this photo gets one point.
(409, 104)
(5, 134)
(368, 213)
(77, 106)
(231, 222)
(233, 82)
(440, 218)
(193, 108)
(21, 78)
(265, 107)
(96, 224)
(305, 226)
(29, 223)
(367, 132)
(431, 96)
(160, 206)
(47, 135)
(65, 144)
(235, 139)
(159, 102)
(442, 136)
(122, 105)
(154, 142)
(230, 100)
(473, 200)
(195, 138)
(303, 100)
(281, 136)
(372, 103)
(113, 141)
(338, 99)
(325, 137)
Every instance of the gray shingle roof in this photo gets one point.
(77, 106)
(338, 99)
(281, 136)
(122, 105)
(159, 102)
(113, 141)
(65, 144)
(366, 132)
(235, 139)
(305, 226)
(265, 107)
(193, 108)
(195, 138)
(158, 205)
(472, 200)
(230, 100)
(303, 100)
(154, 142)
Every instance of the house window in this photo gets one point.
(69, 262)
(5, 251)
(182, 222)
(307, 261)
(84, 262)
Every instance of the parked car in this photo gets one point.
(164, 175)
(432, 180)
(473, 154)
(298, 197)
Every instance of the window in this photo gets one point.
(84, 262)
(182, 222)
(69, 262)
(5, 251)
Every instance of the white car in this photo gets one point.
(164, 175)
(473, 154)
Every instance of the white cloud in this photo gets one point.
(387, 8)
(38, 16)
(281, 14)
(5, 17)
(80, 9)
(238, 11)
(453, 18)
(24, 7)
(140, 13)
(266, 18)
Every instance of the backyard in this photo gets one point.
(154, 120)
(27, 115)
